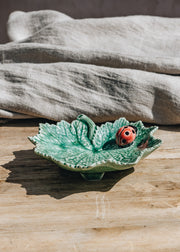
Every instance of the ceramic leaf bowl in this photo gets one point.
(84, 147)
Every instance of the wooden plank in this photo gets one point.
(43, 208)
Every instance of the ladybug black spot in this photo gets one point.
(133, 131)
(126, 133)
(124, 141)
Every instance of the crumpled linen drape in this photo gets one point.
(57, 67)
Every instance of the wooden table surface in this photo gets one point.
(44, 208)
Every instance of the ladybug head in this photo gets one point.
(134, 127)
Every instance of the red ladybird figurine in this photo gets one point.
(125, 135)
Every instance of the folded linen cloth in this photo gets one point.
(58, 67)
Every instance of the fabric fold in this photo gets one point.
(46, 53)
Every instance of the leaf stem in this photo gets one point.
(91, 125)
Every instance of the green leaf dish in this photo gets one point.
(82, 146)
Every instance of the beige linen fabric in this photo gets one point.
(57, 67)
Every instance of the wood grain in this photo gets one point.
(43, 208)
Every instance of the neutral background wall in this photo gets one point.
(89, 8)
